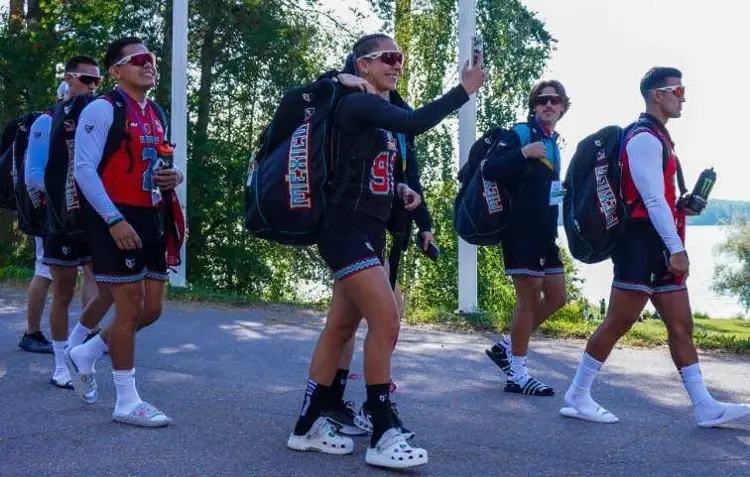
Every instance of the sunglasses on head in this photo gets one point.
(88, 80)
(678, 90)
(543, 99)
(388, 57)
(137, 59)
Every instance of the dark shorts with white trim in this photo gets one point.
(112, 265)
(350, 242)
(63, 250)
(530, 255)
(641, 262)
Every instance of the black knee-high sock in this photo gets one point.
(379, 404)
(338, 388)
(315, 397)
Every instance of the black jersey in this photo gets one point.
(367, 125)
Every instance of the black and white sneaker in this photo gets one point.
(408, 434)
(35, 343)
(363, 420)
(528, 386)
(341, 416)
(500, 355)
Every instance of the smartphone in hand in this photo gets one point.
(477, 48)
(432, 251)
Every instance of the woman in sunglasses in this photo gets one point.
(351, 242)
(531, 256)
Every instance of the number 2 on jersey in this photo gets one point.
(149, 154)
(381, 178)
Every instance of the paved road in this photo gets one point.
(232, 380)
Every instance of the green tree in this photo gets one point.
(732, 276)
(516, 49)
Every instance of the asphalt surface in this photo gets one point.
(233, 381)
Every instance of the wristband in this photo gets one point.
(115, 221)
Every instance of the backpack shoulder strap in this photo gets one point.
(162, 118)
(116, 133)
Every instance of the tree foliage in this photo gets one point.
(243, 55)
(732, 275)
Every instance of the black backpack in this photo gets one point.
(30, 202)
(65, 200)
(7, 193)
(483, 209)
(294, 171)
(594, 211)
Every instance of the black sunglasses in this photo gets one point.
(543, 99)
(88, 80)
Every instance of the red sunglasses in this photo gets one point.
(388, 57)
(138, 59)
(543, 99)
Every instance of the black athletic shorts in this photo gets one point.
(350, 242)
(112, 265)
(641, 262)
(531, 256)
(62, 250)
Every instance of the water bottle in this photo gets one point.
(701, 191)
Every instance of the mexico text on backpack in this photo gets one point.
(30, 202)
(482, 208)
(7, 194)
(292, 173)
(594, 211)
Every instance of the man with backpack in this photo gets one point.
(123, 166)
(529, 165)
(48, 172)
(650, 260)
(33, 339)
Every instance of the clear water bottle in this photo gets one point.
(701, 191)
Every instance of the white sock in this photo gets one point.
(578, 395)
(127, 394)
(86, 355)
(504, 343)
(60, 368)
(704, 405)
(587, 370)
(78, 334)
(518, 370)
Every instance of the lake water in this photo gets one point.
(701, 242)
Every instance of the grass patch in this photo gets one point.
(731, 336)
(14, 272)
(207, 294)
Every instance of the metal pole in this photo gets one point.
(467, 131)
(179, 114)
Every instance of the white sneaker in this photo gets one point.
(729, 413)
(392, 451)
(322, 438)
